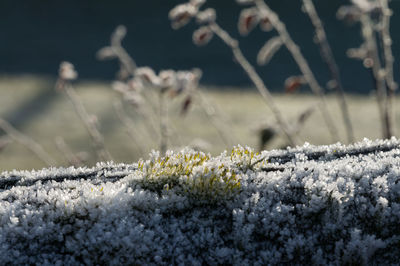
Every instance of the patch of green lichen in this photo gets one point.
(193, 174)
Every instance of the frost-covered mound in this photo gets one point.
(309, 205)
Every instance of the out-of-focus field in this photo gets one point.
(33, 106)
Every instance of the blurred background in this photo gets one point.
(37, 35)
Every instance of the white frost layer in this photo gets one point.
(306, 205)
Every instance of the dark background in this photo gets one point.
(36, 35)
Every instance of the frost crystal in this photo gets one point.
(323, 205)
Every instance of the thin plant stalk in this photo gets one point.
(218, 123)
(129, 125)
(377, 72)
(329, 59)
(302, 63)
(163, 115)
(32, 145)
(255, 78)
(90, 125)
(69, 156)
(384, 31)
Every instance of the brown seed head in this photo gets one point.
(147, 75)
(67, 71)
(293, 83)
(248, 20)
(202, 35)
(182, 14)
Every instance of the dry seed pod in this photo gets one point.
(349, 14)
(147, 75)
(167, 78)
(202, 35)
(268, 50)
(207, 16)
(181, 15)
(293, 83)
(67, 71)
(368, 62)
(248, 20)
(265, 23)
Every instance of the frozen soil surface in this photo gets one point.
(325, 205)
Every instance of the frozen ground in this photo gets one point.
(312, 204)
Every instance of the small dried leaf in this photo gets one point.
(248, 20)
(293, 83)
(202, 36)
(349, 14)
(167, 78)
(67, 71)
(265, 24)
(268, 50)
(147, 75)
(182, 14)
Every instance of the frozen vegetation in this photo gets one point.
(324, 205)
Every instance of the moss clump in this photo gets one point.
(191, 173)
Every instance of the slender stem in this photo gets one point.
(377, 72)
(302, 63)
(35, 147)
(327, 55)
(163, 123)
(218, 123)
(70, 157)
(255, 78)
(384, 32)
(96, 136)
(129, 126)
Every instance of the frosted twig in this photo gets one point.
(377, 72)
(255, 78)
(129, 125)
(163, 116)
(215, 120)
(327, 55)
(90, 125)
(384, 31)
(32, 145)
(72, 159)
(67, 73)
(301, 62)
